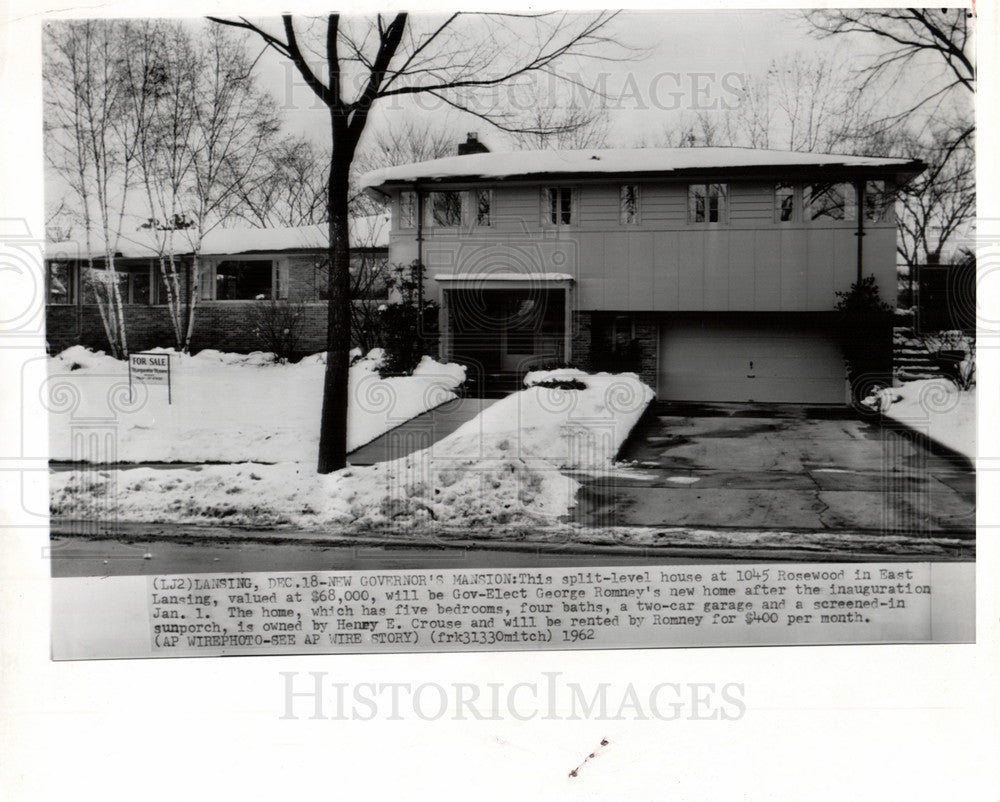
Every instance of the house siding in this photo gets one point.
(749, 263)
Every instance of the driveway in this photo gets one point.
(781, 466)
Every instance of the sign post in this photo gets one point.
(149, 369)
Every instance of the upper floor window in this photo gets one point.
(558, 204)
(877, 201)
(407, 209)
(830, 201)
(784, 203)
(445, 209)
(628, 204)
(484, 207)
(707, 203)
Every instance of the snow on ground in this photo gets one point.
(934, 407)
(503, 467)
(234, 407)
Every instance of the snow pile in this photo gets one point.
(407, 492)
(230, 407)
(503, 467)
(934, 407)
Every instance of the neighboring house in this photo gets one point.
(712, 272)
(238, 268)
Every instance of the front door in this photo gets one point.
(504, 333)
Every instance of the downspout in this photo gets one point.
(860, 233)
(420, 248)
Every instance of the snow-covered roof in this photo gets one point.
(371, 231)
(503, 277)
(622, 161)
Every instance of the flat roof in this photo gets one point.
(524, 164)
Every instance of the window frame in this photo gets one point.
(70, 286)
(548, 212)
(885, 205)
(852, 206)
(429, 220)
(722, 210)
(474, 203)
(636, 201)
(795, 194)
(274, 288)
(412, 204)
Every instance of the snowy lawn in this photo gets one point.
(503, 467)
(934, 407)
(236, 407)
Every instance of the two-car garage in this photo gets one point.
(750, 359)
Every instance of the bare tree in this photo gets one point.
(450, 59)
(294, 190)
(91, 142)
(913, 38)
(233, 125)
(160, 75)
(799, 103)
(941, 202)
(552, 126)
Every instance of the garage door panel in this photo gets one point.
(722, 362)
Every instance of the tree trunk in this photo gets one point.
(333, 425)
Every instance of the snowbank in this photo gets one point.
(232, 407)
(503, 467)
(934, 407)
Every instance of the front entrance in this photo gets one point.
(501, 334)
(747, 360)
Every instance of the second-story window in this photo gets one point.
(707, 203)
(628, 204)
(484, 207)
(445, 209)
(877, 202)
(824, 202)
(784, 203)
(407, 209)
(558, 206)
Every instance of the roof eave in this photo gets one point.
(904, 170)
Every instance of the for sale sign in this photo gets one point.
(149, 369)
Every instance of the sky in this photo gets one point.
(675, 63)
(682, 60)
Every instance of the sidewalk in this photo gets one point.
(420, 432)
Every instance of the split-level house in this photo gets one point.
(713, 272)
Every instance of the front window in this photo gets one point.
(877, 202)
(628, 204)
(831, 202)
(237, 280)
(484, 207)
(60, 283)
(784, 203)
(559, 206)
(446, 209)
(139, 289)
(407, 209)
(707, 203)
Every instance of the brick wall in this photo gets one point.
(224, 326)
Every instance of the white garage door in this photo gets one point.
(716, 361)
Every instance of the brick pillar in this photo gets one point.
(647, 332)
(582, 340)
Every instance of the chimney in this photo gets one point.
(472, 145)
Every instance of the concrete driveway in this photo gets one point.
(781, 466)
